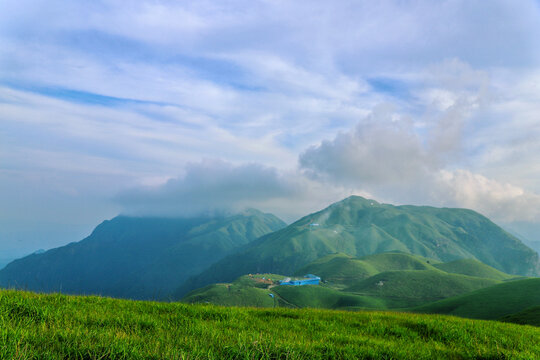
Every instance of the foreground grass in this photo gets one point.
(68, 327)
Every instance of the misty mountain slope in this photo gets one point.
(358, 227)
(141, 258)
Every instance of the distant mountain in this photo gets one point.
(360, 227)
(490, 303)
(527, 232)
(535, 245)
(139, 258)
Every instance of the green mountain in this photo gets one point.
(493, 302)
(359, 227)
(139, 258)
(381, 281)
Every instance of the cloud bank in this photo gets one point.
(213, 187)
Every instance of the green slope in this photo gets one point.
(230, 295)
(472, 267)
(412, 281)
(141, 258)
(530, 316)
(68, 327)
(360, 227)
(341, 270)
(493, 302)
(406, 288)
(248, 290)
(315, 296)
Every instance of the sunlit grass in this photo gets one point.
(65, 327)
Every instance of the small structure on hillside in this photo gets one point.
(308, 279)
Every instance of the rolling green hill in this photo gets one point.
(230, 295)
(56, 326)
(490, 303)
(341, 270)
(360, 227)
(138, 258)
(472, 267)
(347, 284)
(248, 290)
(529, 316)
(314, 296)
(407, 288)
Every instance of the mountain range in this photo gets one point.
(165, 258)
(137, 258)
(359, 227)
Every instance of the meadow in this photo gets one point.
(55, 326)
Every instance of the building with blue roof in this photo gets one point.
(308, 279)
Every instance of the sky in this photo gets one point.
(177, 108)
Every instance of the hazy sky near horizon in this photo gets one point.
(180, 107)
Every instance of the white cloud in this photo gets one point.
(382, 149)
(216, 186)
(502, 201)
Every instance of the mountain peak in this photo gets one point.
(357, 200)
(345, 212)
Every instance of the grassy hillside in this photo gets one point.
(408, 288)
(490, 303)
(231, 295)
(314, 296)
(142, 258)
(530, 316)
(68, 327)
(356, 283)
(248, 290)
(341, 270)
(360, 227)
(472, 267)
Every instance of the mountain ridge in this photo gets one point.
(358, 227)
(137, 257)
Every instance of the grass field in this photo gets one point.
(67, 327)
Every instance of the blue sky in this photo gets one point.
(172, 108)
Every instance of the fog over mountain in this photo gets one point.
(163, 108)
